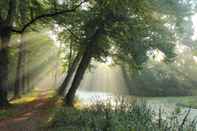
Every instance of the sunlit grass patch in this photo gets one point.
(18, 105)
(24, 100)
(34, 95)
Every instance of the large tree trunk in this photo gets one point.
(5, 38)
(3, 77)
(85, 61)
(83, 65)
(70, 73)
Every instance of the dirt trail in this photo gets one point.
(30, 117)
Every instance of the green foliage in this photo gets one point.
(121, 117)
(129, 29)
(19, 13)
(40, 54)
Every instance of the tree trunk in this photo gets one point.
(56, 66)
(3, 77)
(70, 56)
(18, 76)
(23, 63)
(26, 68)
(70, 73)
(20, 70)
(5, 38)
(69, 98)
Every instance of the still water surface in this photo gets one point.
(166, 104)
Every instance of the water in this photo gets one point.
(103, 82)
(169, 104)
(92, 97)
(166, 104)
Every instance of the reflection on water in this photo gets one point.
(103, 82)
(92, 97)
(167, 105)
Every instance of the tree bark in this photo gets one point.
(23, 47)
(70, 56)
(83, 65)
(69, 98)
(26, 68)
(56, 66)
(70, 73)
(18, 76)
(5, 35)
(23, 63)
(5, 38)
(20, 70)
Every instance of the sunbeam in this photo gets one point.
(104, 77)
(42, 60)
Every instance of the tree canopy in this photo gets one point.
(128, 31)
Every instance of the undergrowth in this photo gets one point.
(119, 115)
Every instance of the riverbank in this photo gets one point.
(182, 101)
(119, 116)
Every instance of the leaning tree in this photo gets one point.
(125, 30)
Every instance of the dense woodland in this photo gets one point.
(150, 40)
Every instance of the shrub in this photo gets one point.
(120, 115)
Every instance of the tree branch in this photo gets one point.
(73, 34)
(46, 16)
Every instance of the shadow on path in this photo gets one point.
(29, 116)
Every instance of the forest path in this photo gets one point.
(30, 116)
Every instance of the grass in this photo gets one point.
(17, 104)
(119, 116)
(14, 109)
(4, 113)
(123, 115)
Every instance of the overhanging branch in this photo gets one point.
(47, 15)
(73, 34)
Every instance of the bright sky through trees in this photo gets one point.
(194, 19)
